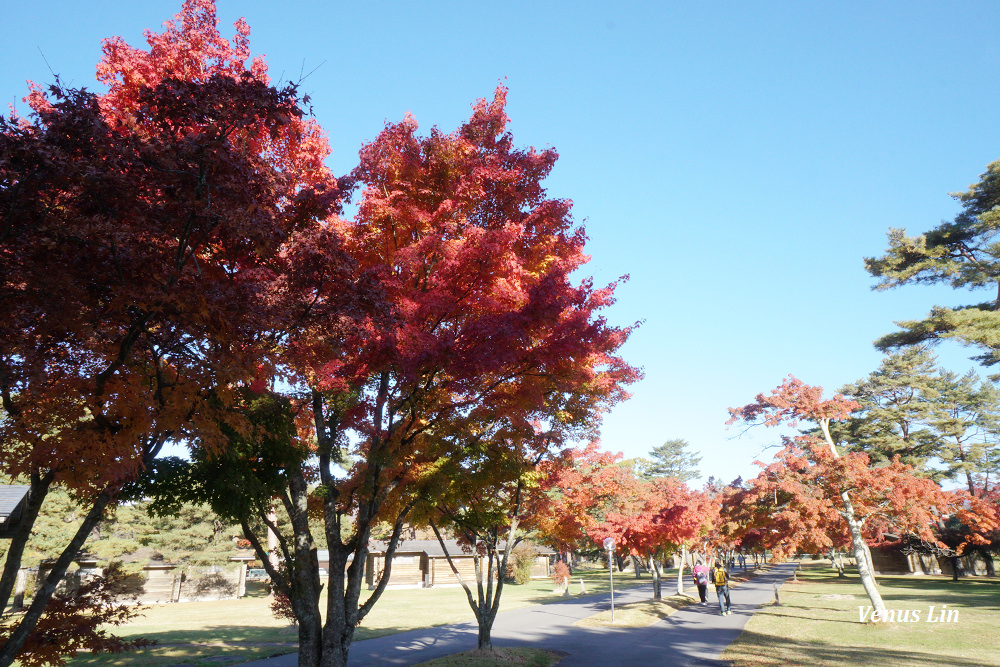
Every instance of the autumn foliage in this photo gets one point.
(655, 517)
(814, 497)
(78, 620)
(795, 504)
(142, 229)
(177, 267)
(575, 487)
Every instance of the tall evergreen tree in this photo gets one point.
(964, 253)
(897, 403)
(941, 423)
(967, 419)
(671, 459)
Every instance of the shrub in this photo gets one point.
(560, 573)
(281, 608)
(522, 558)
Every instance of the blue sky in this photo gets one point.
(737, 159)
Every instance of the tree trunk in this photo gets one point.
(654, 569)
(680, 570)
(17, 638)
(857, 539)
(19, 588)
(864, 567)
(635, 565)
(304, 576)
(485, 643)
(37, 490)
(310, 636)
(868, 557)
(838, 562)
(486, 603)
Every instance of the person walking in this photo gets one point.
(700, 574)
(720, 577)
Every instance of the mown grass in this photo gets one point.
(638, 614)
(235, 631)
(498, 657)
(818, 623)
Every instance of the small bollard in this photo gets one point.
(583, 589)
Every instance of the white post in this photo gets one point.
(611, 576)
(609, 544)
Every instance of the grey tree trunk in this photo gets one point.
(654, 568)
(857, 539)
(37, 491)
(680, 569)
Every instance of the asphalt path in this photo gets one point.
(695, 635)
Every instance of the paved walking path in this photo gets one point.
(695, 635)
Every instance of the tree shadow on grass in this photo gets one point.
(184, 655)
(760, 649)
(224, 634)
(978, 595)
(799, 617)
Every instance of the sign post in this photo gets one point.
(609, 544)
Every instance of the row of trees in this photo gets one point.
(866, 470)
(868, 463)
(176, 267)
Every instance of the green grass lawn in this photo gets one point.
(233, 631)
(499, 657)
(818, 623)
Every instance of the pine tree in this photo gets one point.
(671, 460)
(898, 402)
(963, 253)
(967, 420)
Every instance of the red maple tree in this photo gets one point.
(575, 487)
(139, 231)
(487, 342)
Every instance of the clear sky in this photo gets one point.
(737, 159)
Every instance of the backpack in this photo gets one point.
(701, 577)
(720, 576)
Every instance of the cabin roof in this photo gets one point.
(12, 497)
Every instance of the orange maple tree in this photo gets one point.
(492, 343)
(816, 498)
(575, 487)
(655, 518)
